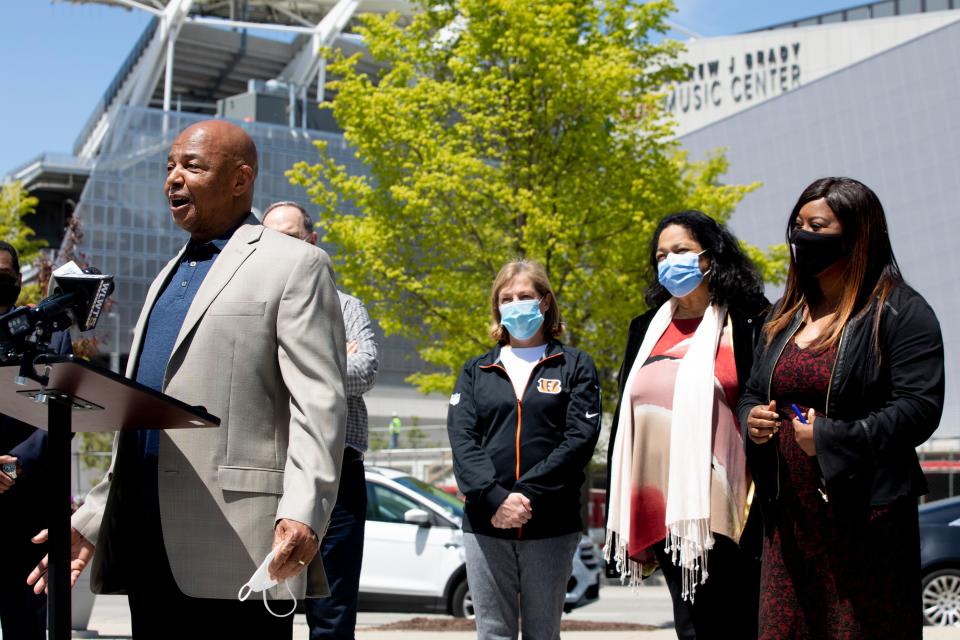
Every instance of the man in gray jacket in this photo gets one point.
(335, 617)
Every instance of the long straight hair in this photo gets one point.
(871, 272)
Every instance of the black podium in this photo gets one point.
(68, 395)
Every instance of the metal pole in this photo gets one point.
(113, 315)
(303, 107)
(168, 72)
(58, 518)
(292, 106)
(321, 80)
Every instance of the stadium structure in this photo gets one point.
(195, 60)
(869, 92)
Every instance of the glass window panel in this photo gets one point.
(883, 9)
(139, 294)
(910, 6)
(386, 505)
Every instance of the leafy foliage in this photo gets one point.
(15, 205)
(504, 129)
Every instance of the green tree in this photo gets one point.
(15, 205)
(415, 435)
(502, 129)
(377, 440)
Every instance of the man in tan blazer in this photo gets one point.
(245, 322)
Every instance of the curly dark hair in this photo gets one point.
(734, 279)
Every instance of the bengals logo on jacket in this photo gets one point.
(547, 385)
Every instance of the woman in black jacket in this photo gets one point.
(679, 493)
(523, 422)
(847, 381)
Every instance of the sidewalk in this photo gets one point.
(659, 634)
(111, 619)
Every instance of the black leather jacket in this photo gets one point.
(879, 407)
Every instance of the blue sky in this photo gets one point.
(59, 58)
(722, 17)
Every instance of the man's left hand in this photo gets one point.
(296, 545)
(81, 552)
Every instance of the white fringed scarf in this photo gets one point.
(688, 494)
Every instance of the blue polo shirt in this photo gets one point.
(163, 327)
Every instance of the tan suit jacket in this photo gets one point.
(262, 347)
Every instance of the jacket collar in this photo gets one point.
(492, 357)
(234, 252)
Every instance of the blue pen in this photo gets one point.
(799, 413)
(823, 493)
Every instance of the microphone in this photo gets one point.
(77, 299)
(80, 295)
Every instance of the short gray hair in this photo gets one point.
(307, 220)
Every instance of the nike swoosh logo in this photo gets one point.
(591, 415)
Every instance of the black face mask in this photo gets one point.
(814, 253)
(9, 291)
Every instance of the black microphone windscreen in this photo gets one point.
(94, 289)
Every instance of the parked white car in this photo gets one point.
(413, 557)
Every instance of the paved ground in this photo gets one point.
(645, 605)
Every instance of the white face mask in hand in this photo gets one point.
(261, 581)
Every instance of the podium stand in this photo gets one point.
(68, 394)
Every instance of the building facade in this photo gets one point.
(872, 99)
(869, 92)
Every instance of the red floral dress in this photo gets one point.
(829, 570)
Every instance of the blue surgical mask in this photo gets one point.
(679, 273)
(522, 318)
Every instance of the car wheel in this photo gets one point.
(941, 598)
(462, 601)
